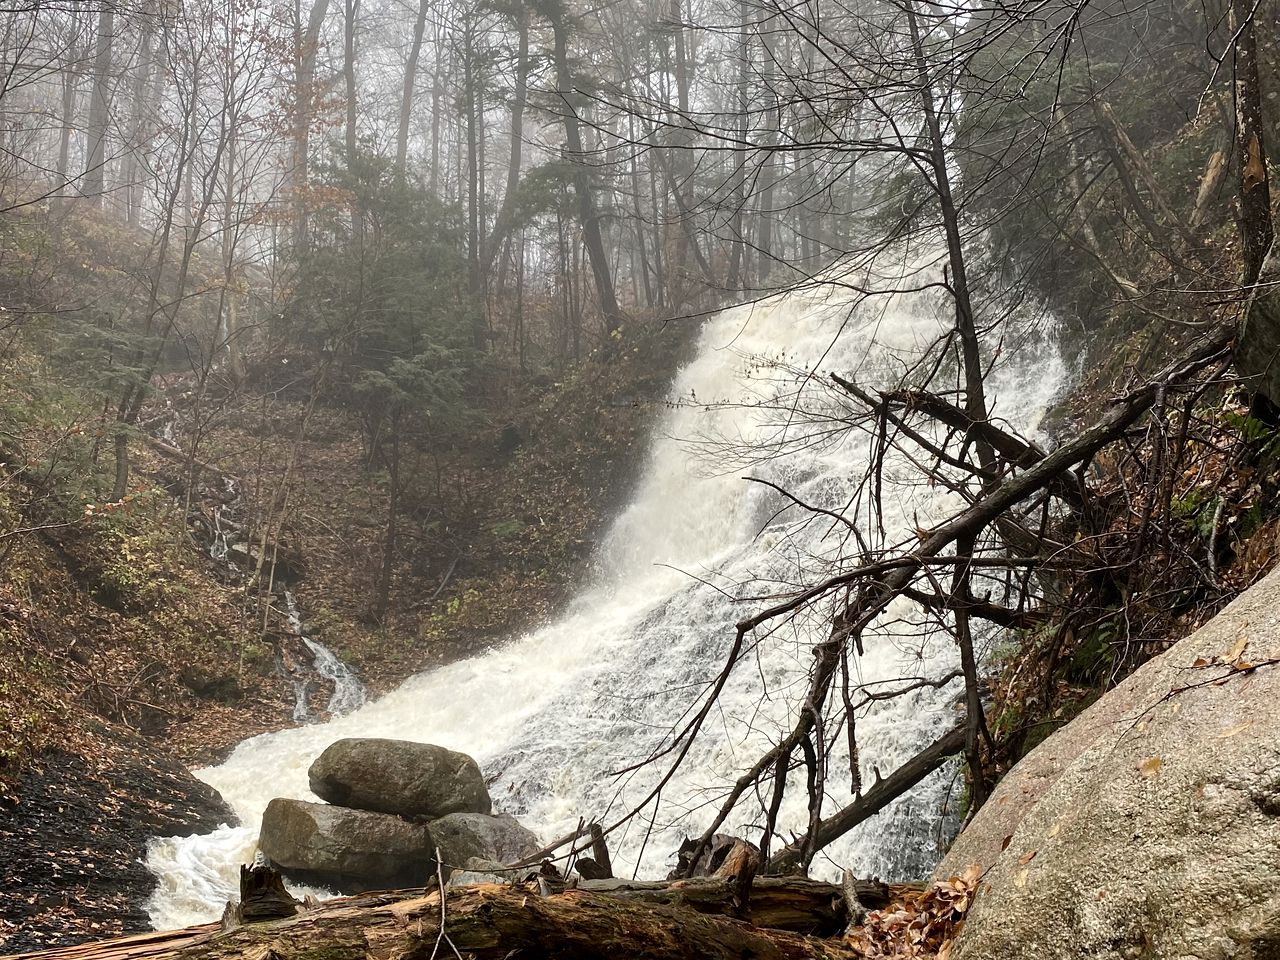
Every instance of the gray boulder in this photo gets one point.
(1149, 826)
(1257, 355)
(399, 776)
(346, 850)
(464, 838)
(470, 878)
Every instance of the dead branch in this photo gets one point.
(877, 798)
(870, 594)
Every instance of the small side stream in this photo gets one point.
(228, 540)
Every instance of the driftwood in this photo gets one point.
(485, 923)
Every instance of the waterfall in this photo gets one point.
(550, 715)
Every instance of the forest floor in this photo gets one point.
(130, 655)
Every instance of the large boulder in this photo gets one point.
(1257, 355)
(1149, 826)
(463, 838)
(346, 850)
(399, 776)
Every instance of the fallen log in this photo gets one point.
(178, 455)
(797, 904)
(483, 922)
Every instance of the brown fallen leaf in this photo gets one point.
(1150, 767)
(1027, 857)
(1237, 651)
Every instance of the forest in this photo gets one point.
(655, 478)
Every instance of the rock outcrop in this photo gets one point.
(347, 850)
(1256, 356)
(399, 776)
(1150, 825)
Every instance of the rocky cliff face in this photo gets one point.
(1149, 826)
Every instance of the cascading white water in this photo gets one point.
(550, 715)
(348, 692)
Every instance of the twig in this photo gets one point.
(442, 936)
(1213, 545)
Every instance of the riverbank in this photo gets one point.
(130, 653)
(71, 829)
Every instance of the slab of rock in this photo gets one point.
(399, 776)
(343, 849)
(467, 837)
(1150, 825)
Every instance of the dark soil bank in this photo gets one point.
(73, 839)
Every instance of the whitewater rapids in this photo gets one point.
(549, 715)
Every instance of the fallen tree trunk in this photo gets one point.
(178, 455)
(482, 922)
(797, 904)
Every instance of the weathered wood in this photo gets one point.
(855, 910)
(263, 896)
(780, 903)
(600, 850)
(484, 923)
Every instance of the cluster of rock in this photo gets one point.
(391, 807)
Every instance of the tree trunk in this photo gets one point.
(406, 98)
(739, 271)
(137, 121)
(1256, 230)
(506, 214)
(966, 324)
(70, 76)
(437, 92)
(382, 602)
(305, 50)
(351, 10)
(471, 85)
(482, 923)
(99, 106)
(591, 234)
